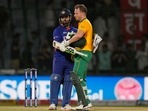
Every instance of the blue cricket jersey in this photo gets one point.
(58, 35)
(62, 65)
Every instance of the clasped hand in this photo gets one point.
(63, 45)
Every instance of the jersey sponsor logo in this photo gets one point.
(82, 26)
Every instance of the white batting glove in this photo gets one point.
(65, 43)
(62, 47)
(96, 42)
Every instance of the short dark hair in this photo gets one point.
(82, 8)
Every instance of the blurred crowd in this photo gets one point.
(26, 28)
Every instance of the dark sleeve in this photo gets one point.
(56, 35)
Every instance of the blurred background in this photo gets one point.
(26, 28)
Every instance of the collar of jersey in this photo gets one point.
(82, 19)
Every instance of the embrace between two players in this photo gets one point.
(66, 71)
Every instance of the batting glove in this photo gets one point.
(96, 42)
(62, 47)
(65, 43)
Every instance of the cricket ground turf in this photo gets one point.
(95, 108)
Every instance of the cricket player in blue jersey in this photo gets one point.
(62, 64)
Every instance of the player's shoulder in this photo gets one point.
(57, 29)
(74, 28)
(85, 21)
(88, 22)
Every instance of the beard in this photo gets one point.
(65, 23)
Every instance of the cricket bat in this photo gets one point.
(68, 49)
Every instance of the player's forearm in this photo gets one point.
(76, 37)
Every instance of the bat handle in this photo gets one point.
(79, 53)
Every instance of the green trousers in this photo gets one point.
(80, 68)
